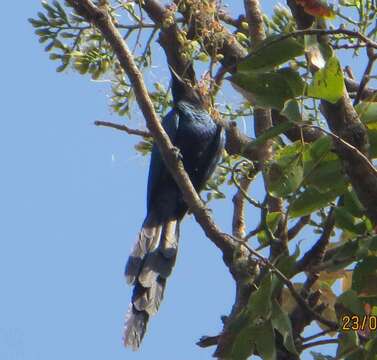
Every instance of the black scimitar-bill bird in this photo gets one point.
(200, 142)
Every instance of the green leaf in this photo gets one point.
(327, 175)
(373, 243)
(348, 341)
(265, 341)
(364, 279)
(243, 345)
(350, 301)
(36, 23)
(286, 173)
(249, 326)
(372, 134)
(43, 32)
(320, 165)
(367, 111)
(371, 349)
(43, 39)
(344, 255)
(271, 53)
(344, 220)
(283, 181)
(48, 7)
(328, 83)
(67, 35)
(355, 3)
(260, 335)
(322, 168)
(43, 17)
(287, 264)
(291, 111)
(62, 67)
(61, 10)
(271, 89)
(49, 46)
(319, 148)
(311, 200)
(272, 220)
(260, 301)
(353, 204)
(282, 323)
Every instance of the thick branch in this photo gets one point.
(296, 228)
(353, 86)
(372, 57)
(296, 133)
(316, 254)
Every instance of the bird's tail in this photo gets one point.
(148, 267)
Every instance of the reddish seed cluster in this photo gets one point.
(316, 8)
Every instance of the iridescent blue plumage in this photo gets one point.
(200, 142)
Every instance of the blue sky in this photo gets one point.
(72, 199)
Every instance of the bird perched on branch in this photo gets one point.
(200, 142)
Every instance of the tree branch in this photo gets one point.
(372, 57)
(353, 86)
(296, 228)
(354, 34)
(125, 128)
(238, 223)
(319, 343)
(316, 254)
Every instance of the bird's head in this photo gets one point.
(183, 91)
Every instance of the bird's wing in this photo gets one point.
(211, 157)
(157, 169)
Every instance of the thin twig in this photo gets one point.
(123, 128)
(319, 342)
(254, 232)
(372, 57)
(253, 202)
(312, 337)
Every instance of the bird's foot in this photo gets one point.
(177, 153)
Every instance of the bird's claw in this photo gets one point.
(177, 153)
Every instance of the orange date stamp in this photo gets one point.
(359, 323)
